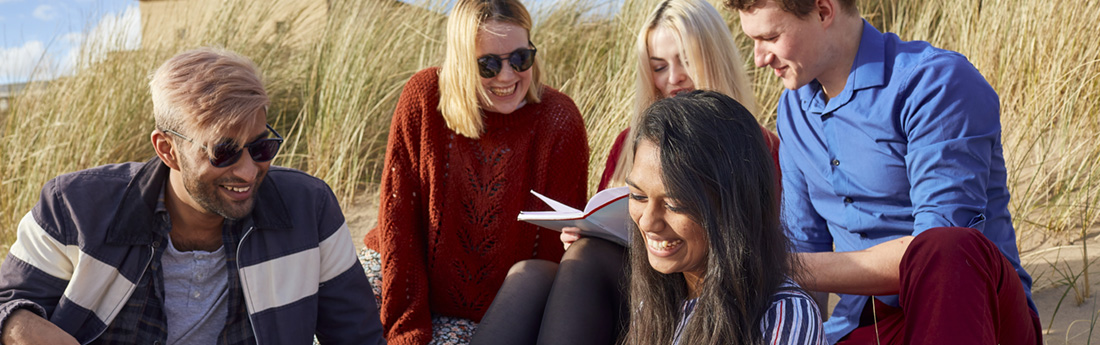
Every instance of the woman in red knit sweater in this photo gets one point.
(682, 46)
(468, 142)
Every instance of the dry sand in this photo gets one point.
(362, 216)
(1065, 320)
(1050, 263)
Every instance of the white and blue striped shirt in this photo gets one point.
(793, 319)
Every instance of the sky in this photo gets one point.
(41, 35)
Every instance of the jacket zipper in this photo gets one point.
(152, 254)
(244, 285)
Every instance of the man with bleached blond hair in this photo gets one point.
(894, 181)
(205, 244)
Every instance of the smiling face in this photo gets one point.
(674, 242)
(791, 46)
(670, 74)
(508, 89)
(227, 192)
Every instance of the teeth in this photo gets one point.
(664, 245)
(502, 92)
(238, 190)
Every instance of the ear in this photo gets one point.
(166, 149)
(827, 11)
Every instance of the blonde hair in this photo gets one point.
(206, 92)
(460, 91)
(705, 41)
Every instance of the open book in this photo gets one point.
(605, 216)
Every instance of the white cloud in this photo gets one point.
(114, 32)
(74, 38)
(31, 61)
(67, 64)
(45, 12)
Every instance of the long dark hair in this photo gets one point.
(715, 164)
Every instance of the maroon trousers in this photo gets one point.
(956, 288)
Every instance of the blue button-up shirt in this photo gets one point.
(912, 142)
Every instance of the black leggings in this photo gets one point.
(580, 301)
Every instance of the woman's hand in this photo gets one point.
(569, 235)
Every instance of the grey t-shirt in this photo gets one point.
(195, 289)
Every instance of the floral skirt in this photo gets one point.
(446, 330)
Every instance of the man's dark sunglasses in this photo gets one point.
(520, 59)
(225, 154)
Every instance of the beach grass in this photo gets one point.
(333, 93)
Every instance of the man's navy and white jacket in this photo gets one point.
(82, 250)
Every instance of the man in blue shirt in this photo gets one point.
(894, 181)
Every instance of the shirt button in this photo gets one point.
(836, 162)
(847, 200)
(196, 294)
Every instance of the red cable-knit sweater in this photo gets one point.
(447, 229)
(770, 139)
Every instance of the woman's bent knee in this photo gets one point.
(533, 269)
(591, 248)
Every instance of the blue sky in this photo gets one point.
(44, 33)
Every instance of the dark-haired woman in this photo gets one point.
(709, 263)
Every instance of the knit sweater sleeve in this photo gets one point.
(569, 169)
(575, 175)
(402, 221)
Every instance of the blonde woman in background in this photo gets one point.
(683, 45)
(467, 143)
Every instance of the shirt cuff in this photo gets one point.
(10, 307)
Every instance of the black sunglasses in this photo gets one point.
(520, 59)
(225, 154)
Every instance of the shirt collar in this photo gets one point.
(135, 220)
(160, 213)
(868, 70)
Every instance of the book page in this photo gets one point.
(605, 196)
(554, 204)
(605, 216)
